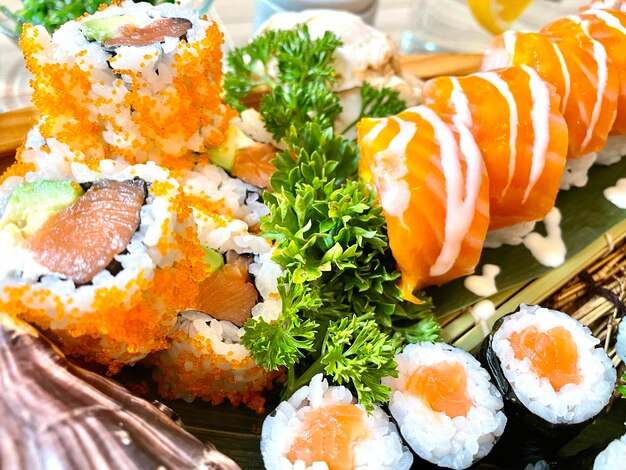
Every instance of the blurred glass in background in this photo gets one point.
(469, 25)
(366, 9)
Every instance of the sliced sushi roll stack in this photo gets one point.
(514, 117)
(581, 57)
(206, 358)
(613, 457)
(445, 405)
(322, 426)
(136, 81)
(554, 376)
(98, 257)
(416, 157)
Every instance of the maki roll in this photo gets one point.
(553, 375)
(322, 426)
(132, 80)
(96, 256)
(206, 358)
(445, 405)
(613, 457)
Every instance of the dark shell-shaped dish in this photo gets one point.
(54, 414)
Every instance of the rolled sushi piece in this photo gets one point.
(132, 80)
(447, 409)
(434, 192)
(554, 376)
(206, 359)
(579, 67)
(613, 457)
(323, 426)
(96, 256)
(514, 117)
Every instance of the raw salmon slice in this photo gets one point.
(155, 31)
(433, 188)
(577, 66)
(553, 354)
(329, 435)
(253, 164)
(609, 28)
(443, 386)
(228, 293)
(81, 240)
(514, 117)
(592, 105)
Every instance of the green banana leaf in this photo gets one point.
(586, 215)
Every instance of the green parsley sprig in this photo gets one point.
(343, 314)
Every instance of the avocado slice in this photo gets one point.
(31, 204)
(213, 259)
(224, 155)
(103, 29)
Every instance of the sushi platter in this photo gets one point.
(300, 236)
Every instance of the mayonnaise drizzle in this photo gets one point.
(566, 77)
(483, 285)
(460, 212)
(505, 91)
(608, 19)
(601, 58)
(540, 116)
(617, 194)
(549, 250)
(482, 311)
(396, 196)
(460, 102)
(375, 131)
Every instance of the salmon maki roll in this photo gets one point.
(416, 157)
(447, 409)
(205, 358)
(515, 119)
(578, 67)
(554, 375)
(96, 256)
(323, 426)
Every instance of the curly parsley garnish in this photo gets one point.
(343, 314)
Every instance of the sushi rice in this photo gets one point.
(448, 442)
(206, 358)
(382, 449)
(114, 319)
(573, 403)
(613, 457)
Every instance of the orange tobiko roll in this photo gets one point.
(515, 119)
(434, 192)
(137, 92)
(101, 258)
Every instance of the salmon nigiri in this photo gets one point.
(433, 189)
(515, 119)
(609, 28)
(595, 84)
(580, 70)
